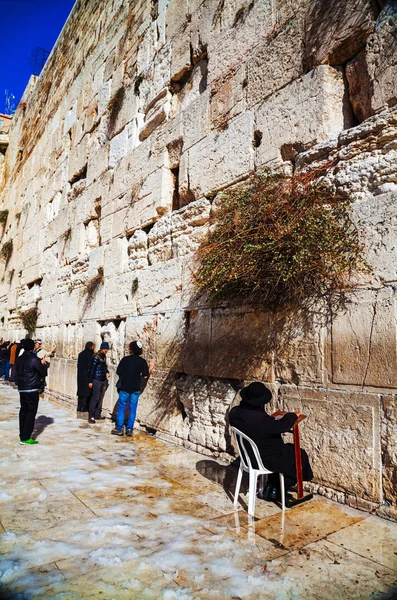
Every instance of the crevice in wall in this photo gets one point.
(82, 174)
(37, 282)
(175, 195)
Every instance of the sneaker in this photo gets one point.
(117, 432)
(129, 432)
(28, 442)
(91, 421)
(101, 418)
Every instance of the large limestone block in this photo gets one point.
(142, 328)
(277, 62)
(98, 162)
(336, 31)
(222, 158)
(153, 201)
(309, 110)
(169, 341)
(160, 240)
(189, 227)
(118, 148)
(239, 345)
(242, 27)
(158, 407)
(228, 99)
(197, 341)
(138, 250)
(119, 296)
(116, 257)
(342, 437)
(364, 348)
(364, 157)
(377, 220)
(372, 74)
(196, 121)
(159, 287)
(389, 448)
(204, 403)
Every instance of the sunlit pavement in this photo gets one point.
(88, 515)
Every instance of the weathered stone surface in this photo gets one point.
(372, 74)
(364, 157)
(339, 438)
(277, 62)
(336, 31)
(309, 110)
(389, 446)
(222, 157)
(364, 348)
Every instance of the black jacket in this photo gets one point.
(84, 362)
(130, 370)
(98, 368)
(30, 371)
(266, 432)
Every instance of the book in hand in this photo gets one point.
(280, 413)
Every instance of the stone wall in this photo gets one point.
(117, 159)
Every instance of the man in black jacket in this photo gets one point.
(131, 371)
(98, 382)
(30, 370)
(265, 430)
(84, 392)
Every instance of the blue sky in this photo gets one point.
(26, 24)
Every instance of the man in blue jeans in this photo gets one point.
(130, 371)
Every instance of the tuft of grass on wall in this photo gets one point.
(29, 319)
(280, 241)
(6, 252)
(3, 216)
(114, 107)
(92, 285)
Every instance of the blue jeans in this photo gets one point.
(132, 401)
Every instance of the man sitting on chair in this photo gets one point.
(251, 418)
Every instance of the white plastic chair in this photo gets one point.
(245, 465)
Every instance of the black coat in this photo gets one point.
(266, 432)
(84, 362)
(30, 371)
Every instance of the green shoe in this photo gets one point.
(28, 442)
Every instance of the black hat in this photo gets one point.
(256, 394)
(28, 344)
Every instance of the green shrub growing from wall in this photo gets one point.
(280, 241)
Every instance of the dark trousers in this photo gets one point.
(27, 413)
(83, 403)
(98, 391)
(290, 469)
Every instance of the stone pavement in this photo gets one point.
(88, 515)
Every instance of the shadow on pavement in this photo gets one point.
(40, 424)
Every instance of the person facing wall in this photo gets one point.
(131, 370)
(84, 392)
(98, 382)
(251, 418)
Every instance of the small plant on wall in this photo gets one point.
(29, 319)
(280, 241)
(6, 252)
(3, 217)
(92, 285)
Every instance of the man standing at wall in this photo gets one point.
(131, 371)
(30, 371)
(84, 392)
(98, 382)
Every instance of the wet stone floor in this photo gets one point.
(87, 515)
